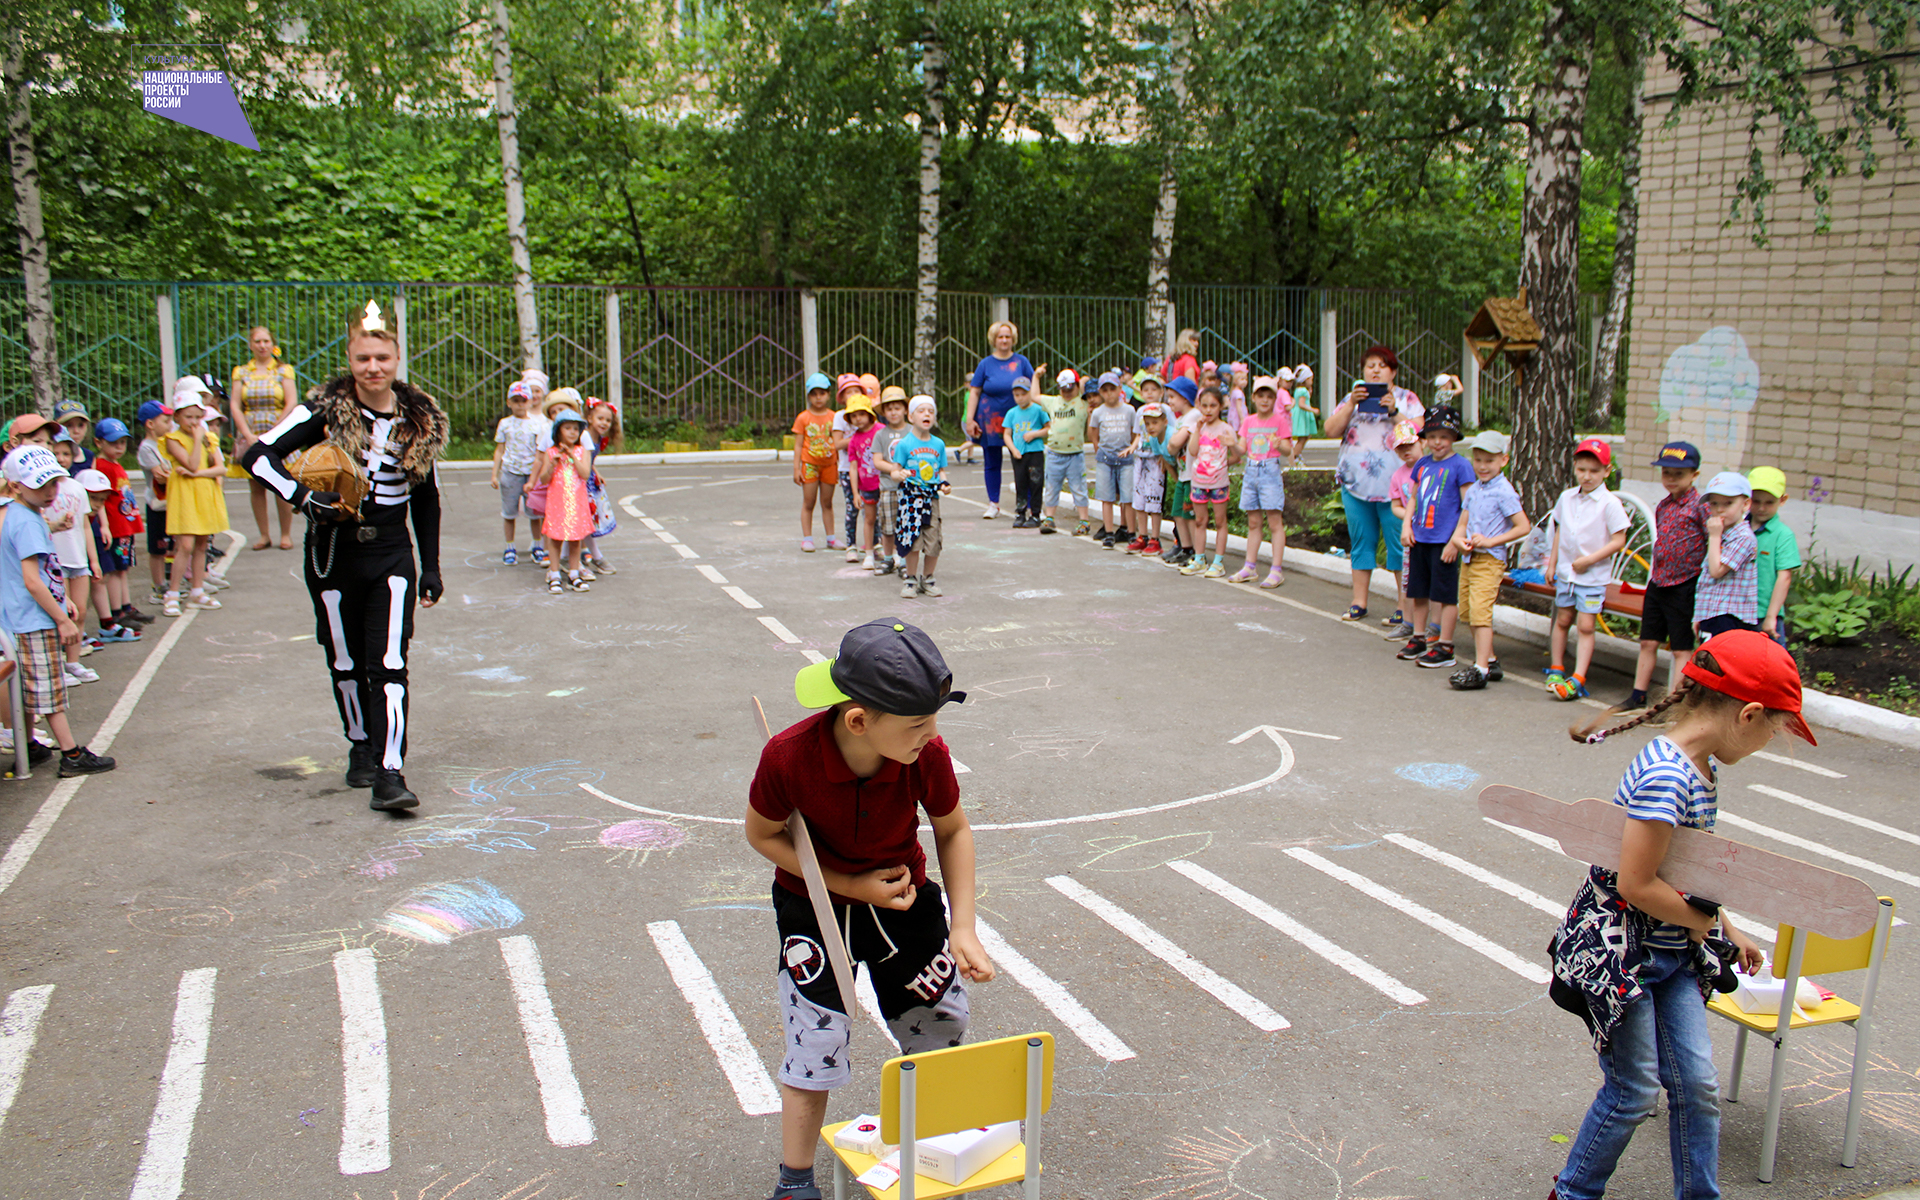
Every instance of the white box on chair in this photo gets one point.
(957, 1157)
(1760, 995)
(862, 1136)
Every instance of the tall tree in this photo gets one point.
(527, 316)
(43, 354)
(1626, 234)
(1173, 131)
(926, 313)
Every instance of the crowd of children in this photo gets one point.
(545, 464)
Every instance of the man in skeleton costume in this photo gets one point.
(382, 435)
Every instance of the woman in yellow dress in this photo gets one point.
(262, 394)
(196, 508)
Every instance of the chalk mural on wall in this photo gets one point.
(1707, 393)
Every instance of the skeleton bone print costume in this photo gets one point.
(361, 576)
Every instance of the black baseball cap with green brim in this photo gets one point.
(887, 665)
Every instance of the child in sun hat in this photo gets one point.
(1636, 959)
(1778, 554)
(859, 774)
(1729, 576)
(863, 421)
(1589, 528)
(196, 506)
(1265, 437)
(109, 582)
(1153, 466)
(156, 420)
(816, 468)
(893, 426)
(73, 546)
(1306, 418)
(124, 525)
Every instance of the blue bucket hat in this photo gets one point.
(1187, 388)
(561, 418)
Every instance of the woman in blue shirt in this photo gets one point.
(989, 396)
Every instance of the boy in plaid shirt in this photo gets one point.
(1679, 547)
(1724, 598)
(34, 602)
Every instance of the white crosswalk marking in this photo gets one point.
(1204, 977)
(163, 1162)
(567, 1121)
(1852, 860)
(780, 631)
(1426, 916)
(1538, 839)
(1836, 814)
(1498, 883)
(364, 1145)
(685, 551)
(1811, 768)
(19, 1026)
(1052, 995)
(712, 575)
(1347, 961)
(747, 1075)
(740, 596)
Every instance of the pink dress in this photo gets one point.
(569, 511)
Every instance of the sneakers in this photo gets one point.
(1355, 613)
(129, 615)
(1439, 654)
(1083, 529)
(1107, 540)
(362, 766)
(1215, 570)
(1136, 545)
(1415, 647)
(1151, 548)
(909, 586)
(853, 554)
(119, 633)
(866, 564)
(806, 545)
(539, 554)
(82, 761)
(1467, 679)
(1494, 673)
(1194, 565)
(601, 566)
(1402, 630)
(1398, 618)
(885, 566)
(155, 596)
(992, 513)
(509, 557)
(217, 583)
(928, 587)
(390, 792)
(1244, 575)
(1566, 687)
(1047, 526)
(80, 674)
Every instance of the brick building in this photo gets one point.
(1803, 354)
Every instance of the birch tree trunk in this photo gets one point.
(43, 356)
(1160, 245)
(509, 118)
(1626, 232)
(926, 313)
(1548, 402)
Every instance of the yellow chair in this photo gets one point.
(1795, 956)
(945, 1091)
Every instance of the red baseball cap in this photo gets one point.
(1598, 448)
(1754, 668)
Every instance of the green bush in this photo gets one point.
(1830, 618)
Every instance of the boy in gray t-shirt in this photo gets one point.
(893, 411)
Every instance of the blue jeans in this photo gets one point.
(1661, 1042)
(1068, 469)
(1366, 520)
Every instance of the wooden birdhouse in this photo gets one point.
(1503, 326)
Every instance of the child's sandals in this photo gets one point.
(601, 566)
(553, 583)
(1243, 575)
(1274, 578)
(577, 580)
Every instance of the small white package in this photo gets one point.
(957, 1157)
(881, 1175)
(1759, 995)
(862, 1136)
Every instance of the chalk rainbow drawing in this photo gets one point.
(635, 840)
(444, 912)
(1444, 777)
(557, 778)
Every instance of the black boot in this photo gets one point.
(361, 765)
(390, 792)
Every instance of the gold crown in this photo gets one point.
(371, 321)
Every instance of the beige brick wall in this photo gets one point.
(1803, 354)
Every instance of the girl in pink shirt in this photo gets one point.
(1266, 437)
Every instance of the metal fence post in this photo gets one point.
(615, 355)
(169, 360)
(1470, 380)
(1330, 388)
(1002, 309)
(400, 327)
(809, 333)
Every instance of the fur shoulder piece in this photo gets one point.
(421, 425)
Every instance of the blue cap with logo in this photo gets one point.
(150, 410)
(1683, 456)
(110, 429)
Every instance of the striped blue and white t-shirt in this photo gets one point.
(1663, 784)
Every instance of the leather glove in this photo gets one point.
(321, 504)
(431, 588)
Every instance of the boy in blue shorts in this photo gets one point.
(1432, 534)
(859, 774)
(1589, 528)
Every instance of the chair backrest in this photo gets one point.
(1633, 563)
(1825, 955)
(963, 1087)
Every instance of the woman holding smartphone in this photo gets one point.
(1363, 421)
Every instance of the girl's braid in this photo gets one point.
(1585, 735)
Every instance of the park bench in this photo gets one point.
(1627, 571)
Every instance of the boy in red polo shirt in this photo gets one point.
(859, 772)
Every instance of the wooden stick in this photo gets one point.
(817, 894)
(1745, 878)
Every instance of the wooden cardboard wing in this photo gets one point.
(1751, 881)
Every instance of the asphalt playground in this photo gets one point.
(1228, 854)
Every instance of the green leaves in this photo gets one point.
(1831, 618)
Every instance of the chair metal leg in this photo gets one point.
(1030, 1129)
(909, 1081)
(1863, 1036)
(1770, 1135)
(839, 1179)
(1739, 1064)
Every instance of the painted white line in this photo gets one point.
(1426, 916)
(869, 1001)
(163, 1163)
(1538, 839)
(1836, 814)
(1498, 883)
(567, 1121)
(1851, 860)
(652, 524)
(685, 551)
(780, 631)
(626, 502)
(660, 812)
(1795, 763)
(668, 538)
(102, 740)
(1329, 737)
(1204, 977)
(741, 596)
(959, 768)
(364, 1144)
(712, 574)
(816, 656)
(729, 482)
(1054, 997)
(19, 1026)
(684, 487)
(752, 1086)
(1346, 960)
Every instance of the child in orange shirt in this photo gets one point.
(816, 468)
